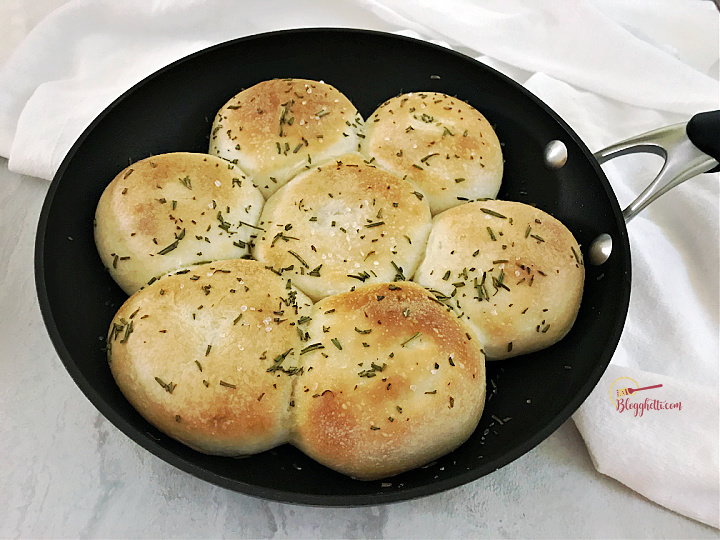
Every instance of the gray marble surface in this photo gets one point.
(66, 472)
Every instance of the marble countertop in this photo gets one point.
(66, 472)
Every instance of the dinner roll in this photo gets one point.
(443, 145)
(392, 380)
(342, 224)
(173, 210)
(512, 271)
(280, 127)
(209, 355)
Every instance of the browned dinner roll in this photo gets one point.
(442, 144)
(174, 210)
(514, 272)
(280, 127)
(392, 380)
(343, 224)
(209, 355)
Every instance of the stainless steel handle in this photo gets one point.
(683, 160)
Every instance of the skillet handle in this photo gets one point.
(675, 144)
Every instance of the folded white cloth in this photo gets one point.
(610, 68)
(658, 426)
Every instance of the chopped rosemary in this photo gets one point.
(362, 276)
(578, 258)
(251, 226)
(186, 182)
(313, 347)
(399, 276)
(372, 372)
(416, 334)
(492, 213)
(336, 342)
(169, 387)
(169, 248)
(299, 258)
(277, 361)
(281, 236)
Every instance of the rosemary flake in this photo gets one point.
(299, 258)
(416, 334)
(313, 347)
(492, 213)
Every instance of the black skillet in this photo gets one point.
(172, 110)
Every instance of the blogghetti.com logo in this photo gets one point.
(624, 396)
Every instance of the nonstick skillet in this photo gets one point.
(172, 110)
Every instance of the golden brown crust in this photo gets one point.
(200, 355)
(392, 381)
(174, 210)
(512, 270)
(443, 145)
(343, 224)
(280, 127)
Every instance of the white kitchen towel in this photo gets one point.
(610, 68)
(656, 426)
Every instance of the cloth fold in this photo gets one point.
(610, 68)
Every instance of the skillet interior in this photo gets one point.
(173, 109)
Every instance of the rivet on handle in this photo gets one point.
(555, 154)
